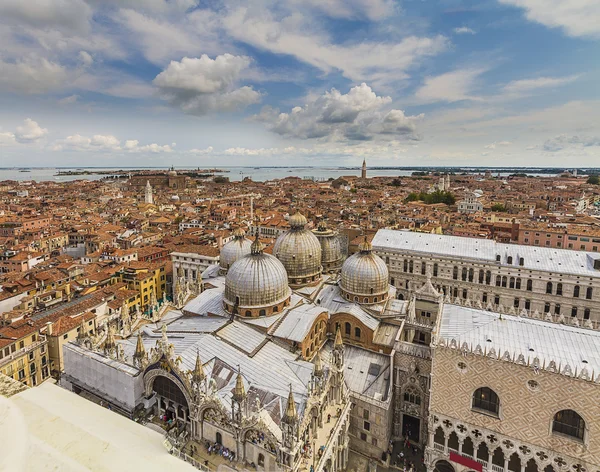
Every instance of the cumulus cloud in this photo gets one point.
(357, 116)
(203, 85)
(464, 30)
(530, 85)
(201, 152)
(449, 87)
(30, 132)
(563, 141)
(575, 17)
(7, 138)
(496, 144)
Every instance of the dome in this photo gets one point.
(235, 249)
(172, 172)
(299, 251)
(256, 284)
(331, 248)
(365, 276)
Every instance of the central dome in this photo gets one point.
(299, 251)
(256, 285)
(331, 248)
(365, 276)
(235, 249)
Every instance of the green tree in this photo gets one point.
(593, 179)
(498, 207)
(220, 179)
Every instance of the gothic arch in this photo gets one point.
(150, 377)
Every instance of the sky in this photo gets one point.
(300, 82)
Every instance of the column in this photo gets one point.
(446, 443)
(505, 463)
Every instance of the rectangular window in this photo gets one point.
(66, 336)
(367, 426)
(363, 436)
(366, 414)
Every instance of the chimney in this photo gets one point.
(49, 328)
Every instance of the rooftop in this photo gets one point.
(487, 250)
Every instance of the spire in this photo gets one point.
(318, 368)
(81, 332)
(140, 351)
(109, 344)
(198, 374)
(291, 415)
(297, 221)
(338, 338)
(239, 393)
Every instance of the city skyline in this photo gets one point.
(509, 82)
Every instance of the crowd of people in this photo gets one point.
(220, 450)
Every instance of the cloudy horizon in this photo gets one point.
(311, 83)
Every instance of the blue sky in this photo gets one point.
(311, 82)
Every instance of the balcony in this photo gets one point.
(415, 350)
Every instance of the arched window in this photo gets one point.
(435, 269)
(509, 260)
(588, 293)
(518, 283)
(521, 261)
(405, 265)
(576, 291)
(219, 438)
(511, 282)
(470, 275)
(275, 309)
(570, 423)
(248, 313)
(498, 281)
(481, 276)
(455, 273)
(410, 266)
(529, 285)
(392, 282)
(549, 287)
(586, 314)
(464, 273)
(412, 396)
(261, 460)
(504, 279)
(347, 329)
(486, 399)
(488, 277)
(559, 289)
(423, 268)
(357, 332)
(262, 312)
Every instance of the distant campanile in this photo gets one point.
(363, 173)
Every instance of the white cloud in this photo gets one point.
(530, 85)
(295, 35)
(496, 144)
(358, 115)
(69, 100)
(32, 75)
(563, 141)
(7, 138)
(108, 143)
(162, 38)
(68, 16)
(208, 150)
(575, 17)
(351, 9)
(30, 132)
(204, 85)
(449, 87)
(85, 58)
(464, 30)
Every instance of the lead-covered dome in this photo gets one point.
(331, 248)
(256, 285)
(365, 276)
(235, 249)
(299, 251)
